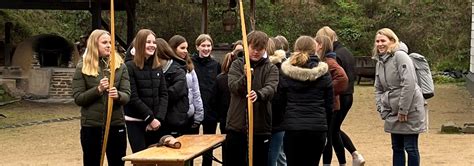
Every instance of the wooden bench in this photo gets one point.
(192, 146)
(365, 67)
(365, 72)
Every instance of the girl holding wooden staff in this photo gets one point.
(91, 91)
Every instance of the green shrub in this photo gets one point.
(4, 96)
(441, 79)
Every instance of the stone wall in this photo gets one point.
(61, 83)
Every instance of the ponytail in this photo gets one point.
(299, 59)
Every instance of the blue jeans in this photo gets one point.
(408, 143)
(276, 156)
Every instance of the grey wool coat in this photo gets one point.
(396, 91)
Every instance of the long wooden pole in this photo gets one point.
(110, 102)
(248, 74)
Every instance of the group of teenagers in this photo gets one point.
(300, 97)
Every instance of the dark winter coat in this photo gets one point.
(307, 92)
(347, 61)
(207, 70)
(278, 108)
(94, 104)
(178, 101)
(264, 83)
(149, 98)
(222, 96)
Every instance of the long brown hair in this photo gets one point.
(304, 47)
(174, 42)
(228, 59)
(163, 50)
(326, 45)
(140, 43)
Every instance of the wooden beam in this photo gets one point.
(8, 43)
(96, 12)
(204, 21)
(131, 22)
(61, 4)
(252, 15)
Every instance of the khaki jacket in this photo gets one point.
(93, 104)
(264, 82)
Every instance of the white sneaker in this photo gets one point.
(357, 159)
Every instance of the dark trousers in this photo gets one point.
(408, 143)
(91, 142)
(139, 138)
(337, 138)
(303, 148)
(188, 127)
(237, 149)
(209, 127)
(334, 140)
(346, 101)
(224, 146)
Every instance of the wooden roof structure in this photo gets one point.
(94, 6)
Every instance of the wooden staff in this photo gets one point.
(248, 74)
(110, 102)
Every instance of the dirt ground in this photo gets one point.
(58, 143)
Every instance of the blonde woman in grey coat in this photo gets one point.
(398, 97)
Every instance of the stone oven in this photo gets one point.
(46, 63)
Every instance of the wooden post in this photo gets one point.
(252, 14)
(248, 75)
(131, 21)
(96, 15)
(8, 43)
(110, 101)
(204, 21)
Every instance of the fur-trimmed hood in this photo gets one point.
(304, 74)
(278, 57)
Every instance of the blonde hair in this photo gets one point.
(271, 48)
(391, 36)
(202, 38)
(326, 46)
(327, 31)
(90, 60)
(283, 43)
(304, 47)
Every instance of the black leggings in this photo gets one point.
(337, 138)
(91, 142)
(346, 104)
